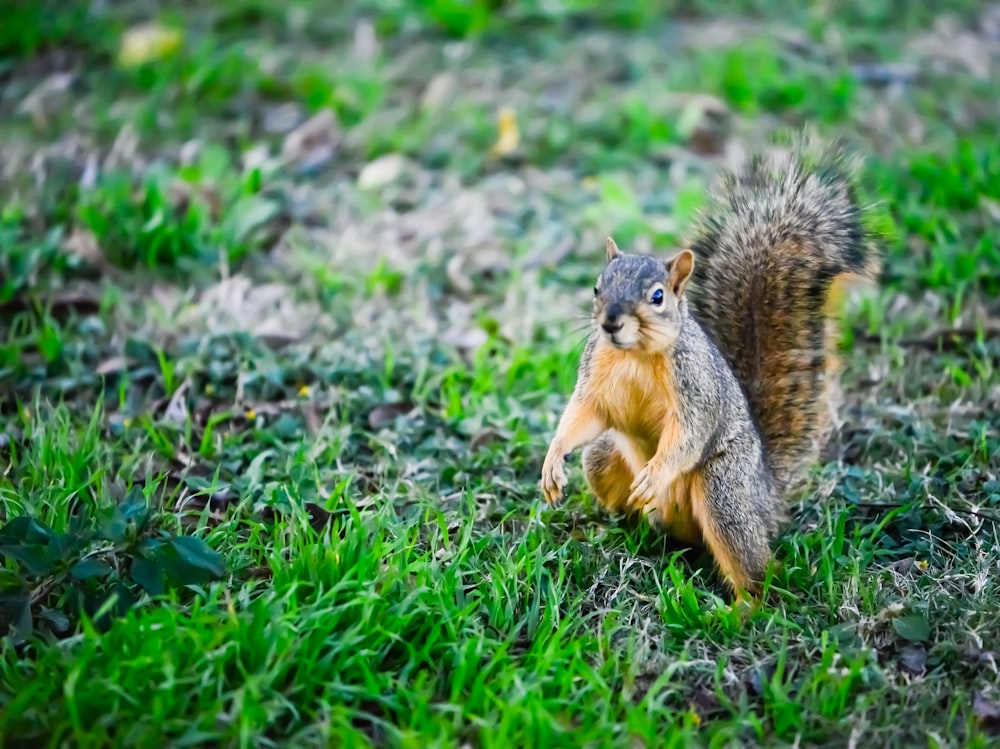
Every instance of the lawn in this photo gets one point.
(289, 311)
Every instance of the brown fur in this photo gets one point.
(780, 249)
(635, 393)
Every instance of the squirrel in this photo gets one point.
(704, 413)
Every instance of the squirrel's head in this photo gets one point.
(638, 299)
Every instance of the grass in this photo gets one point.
(272, 418)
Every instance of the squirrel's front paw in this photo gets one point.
(553, 477)
(644, 489)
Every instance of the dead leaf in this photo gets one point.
(47, 98)
(950, 45)
(319, 518)
(381, 172)
(705, 702)
(437, 92)
(124, 153)
(177, 410)
(979, 657)
(386, 414)
(758, 677)
(114, 364)
(882, 74)
(182, 194)
(722, 33)
(367, 481)
(989, 22)
(88, 179)
(149, 42)
(279, 341)
(217, 503)
(11, 435)
(457, 276)
(509, 137)
(467, 341)
(311, 417)
(463, 332)
(261, 572)
(987, 711)
(913, 660)
(315, 139)
(281, 118)
(484, 437)
(704, 122)
(550, 254)
(222, 499)
(365, 41)
(237, 303)
(183, 458)
(990, 207)
(59, 307)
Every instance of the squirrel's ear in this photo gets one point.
(611, 249)
(679, 269)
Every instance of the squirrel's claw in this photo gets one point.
(553, 478)
(643, 489)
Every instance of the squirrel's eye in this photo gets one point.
(657, 298)
(596, 290)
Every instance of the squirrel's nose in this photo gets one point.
(611, 322)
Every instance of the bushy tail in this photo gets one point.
(773, 255)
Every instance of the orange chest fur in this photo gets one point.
(635, 394)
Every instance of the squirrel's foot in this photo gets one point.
(553, 476)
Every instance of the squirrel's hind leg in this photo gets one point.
(610, 465)
(735, 514)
